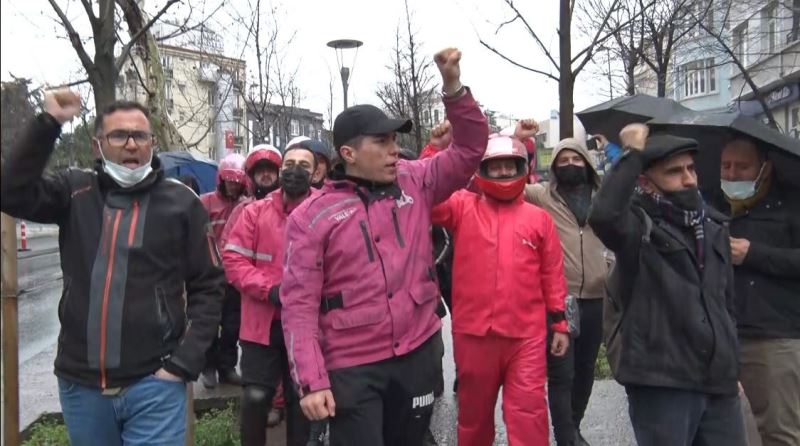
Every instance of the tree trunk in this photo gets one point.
(662, 83)
(167, 135)
(105, 91)
(567, 81)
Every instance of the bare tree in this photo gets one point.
(17, 110)
(567, 65)
(621, 53)
(104, 67)
(723, 44)
(273, 94)
(664, 26)
(412, 87)
(153, 79)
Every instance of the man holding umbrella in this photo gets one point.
(765, 247)
(668, 320)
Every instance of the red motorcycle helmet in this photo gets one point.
(263, 152)
(503, 189)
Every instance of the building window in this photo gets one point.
(310, 130)
(740, 43)
(295, 127)
(769, 20)
(211, 96)
(703, 10)
(794, 129)
(699, 77)
(426, 117)
(436, 116)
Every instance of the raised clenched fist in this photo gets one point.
(448, 60)
(526, 128)
(63, 105)
(442, 135)
(634, 136)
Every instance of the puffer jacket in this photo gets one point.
(359, 284)
(585, 256)
(508, 272)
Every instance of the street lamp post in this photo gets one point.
(341, 46)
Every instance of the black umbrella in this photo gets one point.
(610, 117)
(712, 130)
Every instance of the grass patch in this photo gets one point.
(601, 368)
(48, 432)
(217, 427)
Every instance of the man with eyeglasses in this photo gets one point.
(142, 276)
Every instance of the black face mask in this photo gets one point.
(295, 181)
(687, 199)
(571, 175)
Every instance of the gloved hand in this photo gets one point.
(274, 295)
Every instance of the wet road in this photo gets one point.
(39, 289)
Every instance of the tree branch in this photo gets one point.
(87, 5)
(533, 34)
(504, 57)
(128, 46)
(75, 39)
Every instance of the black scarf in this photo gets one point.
(578, 199)
(680, 217)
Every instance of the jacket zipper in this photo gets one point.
(367, 241)
(106, 292)
(583, 266)
(134, 220)
(400, 240)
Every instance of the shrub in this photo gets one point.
(601, 369)
(48, 432)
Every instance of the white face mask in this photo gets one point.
(741, 190)
(125, 176)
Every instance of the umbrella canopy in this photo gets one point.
(712, 130)
(610, 117)
(178, 163)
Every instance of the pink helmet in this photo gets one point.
(263, 152)
(505, 189)
(231, 168)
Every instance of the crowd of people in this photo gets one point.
(331, 270)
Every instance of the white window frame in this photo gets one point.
(740, 43)
(699, 78)
(294, 127)
(772, 28)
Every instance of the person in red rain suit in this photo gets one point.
(508, 284)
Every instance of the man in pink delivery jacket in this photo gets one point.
(359, 293)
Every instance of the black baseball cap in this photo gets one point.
(662, 146)
(361, 120)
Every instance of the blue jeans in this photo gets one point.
(674, 417)
(150, 412)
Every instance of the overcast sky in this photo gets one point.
(33, 46)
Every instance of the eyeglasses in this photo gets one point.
(119, 138)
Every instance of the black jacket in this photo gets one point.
(666, 323)
(768, 281)
(142, 278)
